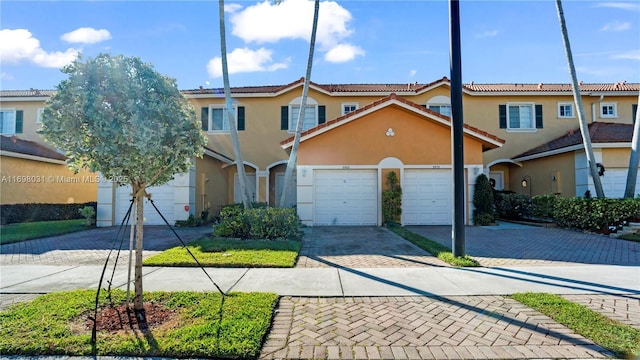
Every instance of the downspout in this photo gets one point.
(593, 108)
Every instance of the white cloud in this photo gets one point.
(232, 8)
(412, 72)
(19, 45)
(629, 55)
(620, 5)
(343, 53)
(486, 34)
(243, 60)
(616, 26)
(292, 19)
(86, 35)
(6, 76)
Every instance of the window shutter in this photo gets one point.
(241, 118)
(19, 121)
(634, 111)
(538, 116)
(204, 118)
(284, 118)
(322, 114)
(502, 110)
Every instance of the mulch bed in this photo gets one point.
(123, 318)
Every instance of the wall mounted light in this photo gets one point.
(526, 183)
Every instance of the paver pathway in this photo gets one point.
(476, 327)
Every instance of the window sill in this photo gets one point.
(522, 130)
(218, 132)
(566, 117)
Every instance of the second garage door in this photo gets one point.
(162, 196)
(427, 197)
(345, 197)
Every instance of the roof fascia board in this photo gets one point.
(24, 98)
(31, 157)
(572, 148)
(217, 156)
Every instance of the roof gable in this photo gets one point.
(488, 140)
(19, 146)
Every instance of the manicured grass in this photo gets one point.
(33, 230)
(223, 252)
(56, 324)
(441, 252)
(621, 339)
(631, 237)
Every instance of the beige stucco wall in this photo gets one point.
(212, 183)
(29, 181)
(417, 141)
(550, 175)
(30, 115)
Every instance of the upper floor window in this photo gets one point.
(39, 116)
(314, 114)
(520, 116)
(440, 104)
(608, 110)
(565, 110)
(215, 118)
(10, 121)
(349, 107)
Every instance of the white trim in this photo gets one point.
(342, 105)
(31, 157)
(233, 163)
(533, 117)
(566, 103)
(39, 112)
(612, 104)
(24, 98)
(383, 105)
(274, 164)
(498, 161)
(217, 156)
(574, 148)
(15, 120)
(222, 107)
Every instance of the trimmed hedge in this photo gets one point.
(17, 213)
(483, 201)
(258, 223)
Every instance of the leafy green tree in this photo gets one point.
(118, 116)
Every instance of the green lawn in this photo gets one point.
(631, 237)
(441, 252)
(621, 339)
(223, 252)
(33, 230)
(56, 323)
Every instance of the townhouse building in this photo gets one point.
(524, 136)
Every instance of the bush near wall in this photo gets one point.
(17, 213)
(258, 223)
(512, 206)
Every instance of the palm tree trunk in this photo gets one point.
(584, 129)
(293, 156)
(634, 159)
(233, 126)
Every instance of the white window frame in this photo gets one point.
(39, 115)
(355, 106)
(533, 117)
(294, 109)
(9, 110)
(429, 106)
(564, 104)
(614, 107)
(222, 107)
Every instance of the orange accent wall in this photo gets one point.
(417, 140)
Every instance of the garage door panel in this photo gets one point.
(345, 197)
(427, 197)
(162, 197)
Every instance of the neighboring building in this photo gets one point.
(356, 133)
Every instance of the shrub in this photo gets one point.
(512, 206)
(89, 214)
(484, 212)
(191, 221)
(542, 206)
(258, 223)
(594, 214)
(392, 200)
(17, 213)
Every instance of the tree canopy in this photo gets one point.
(117, 115)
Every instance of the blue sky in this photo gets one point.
(358, 41)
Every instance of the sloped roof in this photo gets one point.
(400, 88)
(386, 101)
(600, 133)
(15, 145)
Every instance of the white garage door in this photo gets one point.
(614, 183)
(345, 197)
(427, 197)
(162, 197)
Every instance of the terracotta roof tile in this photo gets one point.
(600, 132)
(541, 87)
(27, 93)
(381, 101)
(13, 144)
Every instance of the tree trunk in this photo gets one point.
(291, 164)
(634, 158)
(138, 299)
(233, 127)
(584, 129)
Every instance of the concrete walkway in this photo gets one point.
(365, 293)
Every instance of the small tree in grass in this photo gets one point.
(392, 200)
(484, 213)
(118, 116)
